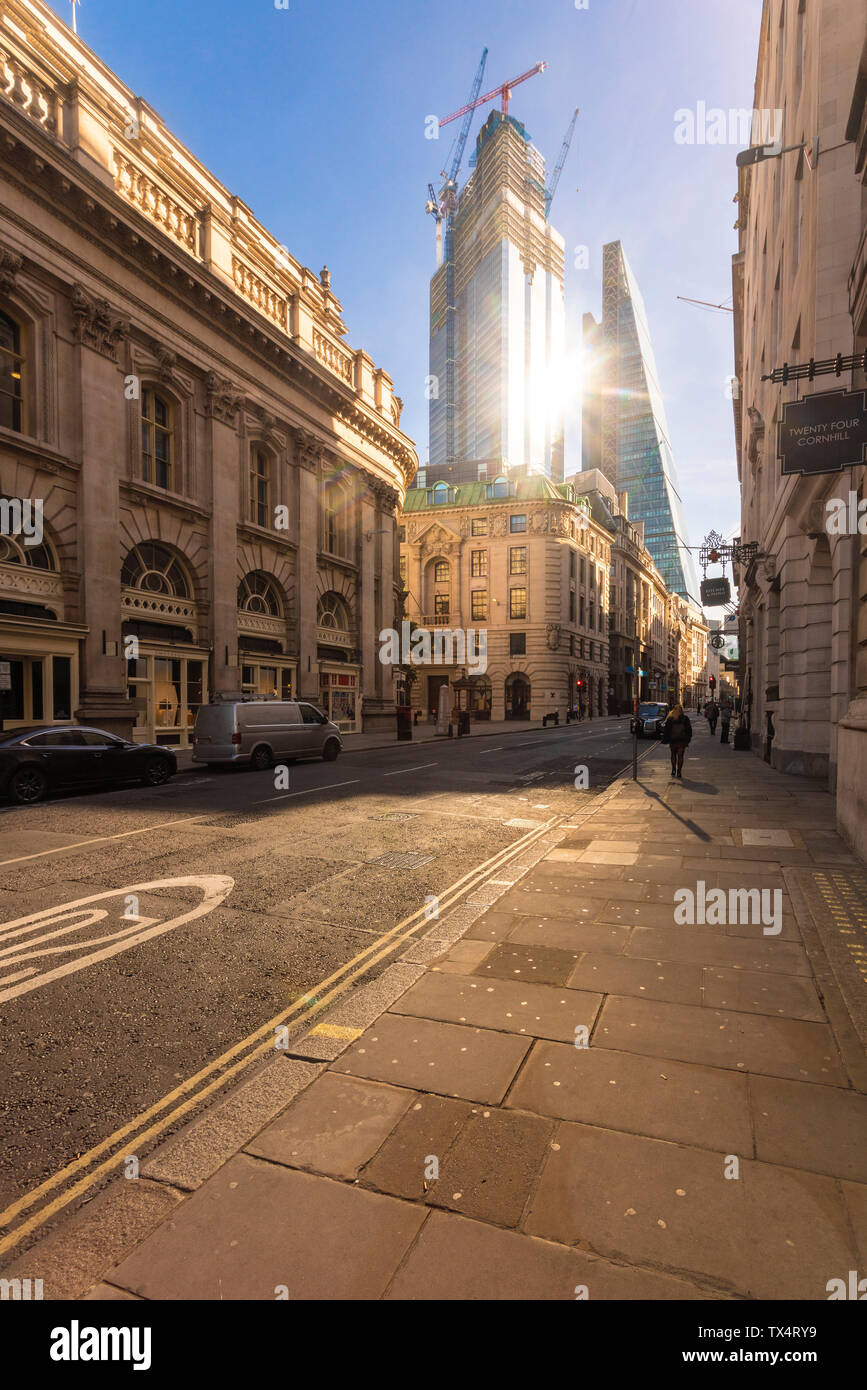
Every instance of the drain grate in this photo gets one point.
(395, 859)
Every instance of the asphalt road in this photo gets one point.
(109, 1006)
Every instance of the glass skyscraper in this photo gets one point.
(624, 411)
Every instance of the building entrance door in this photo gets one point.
(517, 697)
(167, 691)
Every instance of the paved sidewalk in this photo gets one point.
(710, 1142)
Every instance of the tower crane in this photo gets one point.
(555, 177)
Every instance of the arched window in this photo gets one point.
(331, 611)
(439, 494)
(499, 487)
(157, 439)
(258, 594)
(16, 521)
(259, 486)
(11, 373)
(155, 570)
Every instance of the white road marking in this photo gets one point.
(71, 917)
(122, 835)
(308, 792)
(418, 768)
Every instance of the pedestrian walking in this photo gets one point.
(725, 719)
(712, 714)
(677, 733)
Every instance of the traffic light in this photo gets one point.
(712, 682)
(579, 684)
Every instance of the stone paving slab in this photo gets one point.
(492, 1167)
(465, 1062)
(255, 1227)
(334, 1127)
(645, 979)
(821, 1128)
(583, 936)
(770, 1233)
(706, 947)
(543, 965)
(690, 1104)
(721, 1038)
(542, 1011)
(428, 1129)
(457, 1259)
(786, 996)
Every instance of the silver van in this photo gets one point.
(261, 732)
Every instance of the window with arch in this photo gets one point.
(332, 612)
(439, 494)
(258, 594)
(11, 374)
(157, 439)
(153, 568)
(14, 549)
(499, 487)
(259, 489)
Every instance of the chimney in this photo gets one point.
(623, 503)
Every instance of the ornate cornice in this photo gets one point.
(96, 324)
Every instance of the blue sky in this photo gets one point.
(315, 116)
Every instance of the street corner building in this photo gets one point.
(527, 561)
(800, 328)
(199, 478)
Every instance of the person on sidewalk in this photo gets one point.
(711, 710)
(725, 718)
(677, 733)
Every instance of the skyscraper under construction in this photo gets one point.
(503, 270)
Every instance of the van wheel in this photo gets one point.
(330, 751)
(260, 760)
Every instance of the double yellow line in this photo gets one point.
(197, 1088)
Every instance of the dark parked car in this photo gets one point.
(36, 760)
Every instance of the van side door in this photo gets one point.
(314, 729)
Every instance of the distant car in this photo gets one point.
(41, 759)
(650, 720)
(259, 732)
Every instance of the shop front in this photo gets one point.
(167, 683)
(339, 687)
(39, 671)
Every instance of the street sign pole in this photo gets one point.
(636, 688)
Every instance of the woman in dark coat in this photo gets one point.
(677, 733)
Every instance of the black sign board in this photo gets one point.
(715, 592)
(823, 433)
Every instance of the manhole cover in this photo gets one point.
(394, 859)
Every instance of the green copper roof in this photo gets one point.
(536, 488)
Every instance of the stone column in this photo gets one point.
(99, 333)
(306, 456)
(222, 403)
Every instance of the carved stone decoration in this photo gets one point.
(268, 424)
(325, 278)
(10, 264)
(308, 450)
(553, 636)
(96, 324)
(223, 401)
(498, 524)
(166, 363)
(387, 498)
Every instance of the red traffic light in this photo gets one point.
(579, 684)
(712, 682)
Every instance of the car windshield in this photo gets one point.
(649, 711)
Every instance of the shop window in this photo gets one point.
(11, 374)
(157, 439)
(61, 669)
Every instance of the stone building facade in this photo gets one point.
(216, 473)
(525, 560)
(800, 224)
